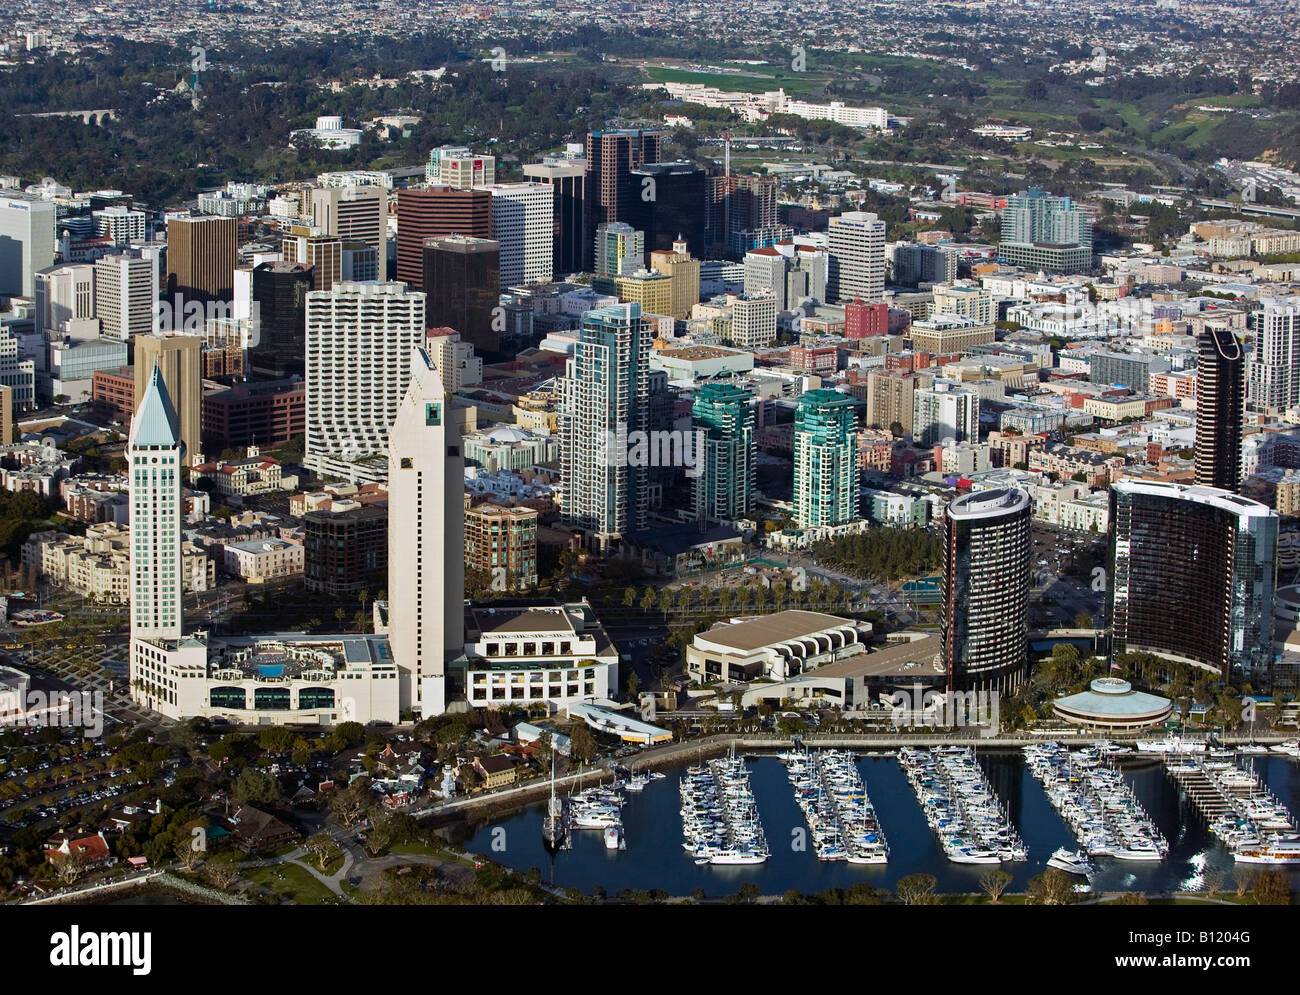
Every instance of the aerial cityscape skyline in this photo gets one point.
(491, 454)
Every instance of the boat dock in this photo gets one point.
(1204, 790)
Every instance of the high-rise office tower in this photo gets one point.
(611, 156)
(179, 361)
(462, 281)
(825, 459)
(684, 270)
(791, 272)
(457, 363)
(65, 296)
(201, 257)
(1045, 232)
(426, 538)
(1192, 577)
(1220, 396)
(280, 292)
(432, 212)
(523, 226)
(620, 250)
(457, 167)
(856, 240)
(155, 454)
(1273, 375)
(566, 178)
(359, 342)
(354, 214)
(605, 397)
(741, 213)
(724, 487)
(26, 242)
(987, 551)
(667, 201)
(753, 319)
(310, 246)
(945, 410)
(126, 287)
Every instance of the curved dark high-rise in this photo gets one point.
(1220, 397)
(986, 590)
(1192, 576)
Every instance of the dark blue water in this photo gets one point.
(654, 857)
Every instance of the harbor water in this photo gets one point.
(655, 859)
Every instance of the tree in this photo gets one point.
(186, 854)
(1083, 621)
(255, 787)
(993, 883)
(351, 804)
(633, 685)
(582, 744)
(917, 889)
(322, 848)
(1052, 887)
(1133, 898)
(1272, 888)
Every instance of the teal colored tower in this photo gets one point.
(723, 414)
(825, 460)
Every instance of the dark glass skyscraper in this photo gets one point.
(1220, 397)
(280, 292)
(1192, 577)
(461, 276)
(987, 549)
(668, 200)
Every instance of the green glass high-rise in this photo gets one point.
(724, 488)
(825, 460)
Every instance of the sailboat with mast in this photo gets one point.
(555, 826)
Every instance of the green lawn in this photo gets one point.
(292, 883)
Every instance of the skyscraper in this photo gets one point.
(432, 212)
(426, 538)
(620, 249)
(280, 292)
(605, 398)
(178, 360)
(741, 213)
(1220, 395)
(684, 270)
(359, 342)
(462, 281)
(856, 240)
(523, 226)
(1273, 377)
(945, 410)
(724, 488)
(155, 455)
(310, 246)
(667, 201)
(26, 242)
(793, 273)
(1192, 577)
(353, 214)
(987, 551)
(611, 156)
(1045, 232)
(201, 257)
(825, 460)
(126, 287)
(457, 167)
(566, 178)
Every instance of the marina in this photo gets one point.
(655, 858)
(1096, 802)
(968, 819)
(1255, 826)
(720, 820)
(840, 817)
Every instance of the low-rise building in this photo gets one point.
(774, 646)
(263, 560)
